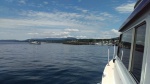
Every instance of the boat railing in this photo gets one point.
(108, 56)
(121, 54)
(114, 54)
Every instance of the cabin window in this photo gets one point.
(119, 47)
(126, 47)
(138, 51)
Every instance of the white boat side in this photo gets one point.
(116, 72)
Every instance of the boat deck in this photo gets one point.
(110, 74)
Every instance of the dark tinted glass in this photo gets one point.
(126, 47)
(119, 47)
(138, 51)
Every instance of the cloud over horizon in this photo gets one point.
(125, 8)
(64, 21)
(58, 19)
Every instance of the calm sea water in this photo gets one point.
(51, 63)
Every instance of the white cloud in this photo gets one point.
(57, 19)
(106, 14)
(22, 23)
(50, 34)
(22, 1)
(95, 17)
(45, 2)
(125, 8)
(81, 37)
(115, 32)
(81, 9)
(58, 34)
(110, 34)
(72, 30)
(56, 24)
(33, 33)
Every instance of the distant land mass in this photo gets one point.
(57, 40)
(68, 40)
(52, 40)
(13, 40)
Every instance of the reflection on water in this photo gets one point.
(24, 63)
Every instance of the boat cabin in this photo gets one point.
(132, 62)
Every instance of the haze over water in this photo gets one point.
(51, 63)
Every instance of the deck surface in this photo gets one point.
(110, 75)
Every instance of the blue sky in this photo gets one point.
(23, 19)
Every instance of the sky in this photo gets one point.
(25, 19)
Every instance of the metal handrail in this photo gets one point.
(108, 56)
(114, 52)
(122, 54)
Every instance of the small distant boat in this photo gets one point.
(98, 43)
(35, 42)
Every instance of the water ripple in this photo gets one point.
(51, 64)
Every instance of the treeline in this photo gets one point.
(62, 40)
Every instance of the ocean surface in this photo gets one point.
(52, 63)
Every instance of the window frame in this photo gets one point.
(134, 27)
(133, 48)
(120, 38)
